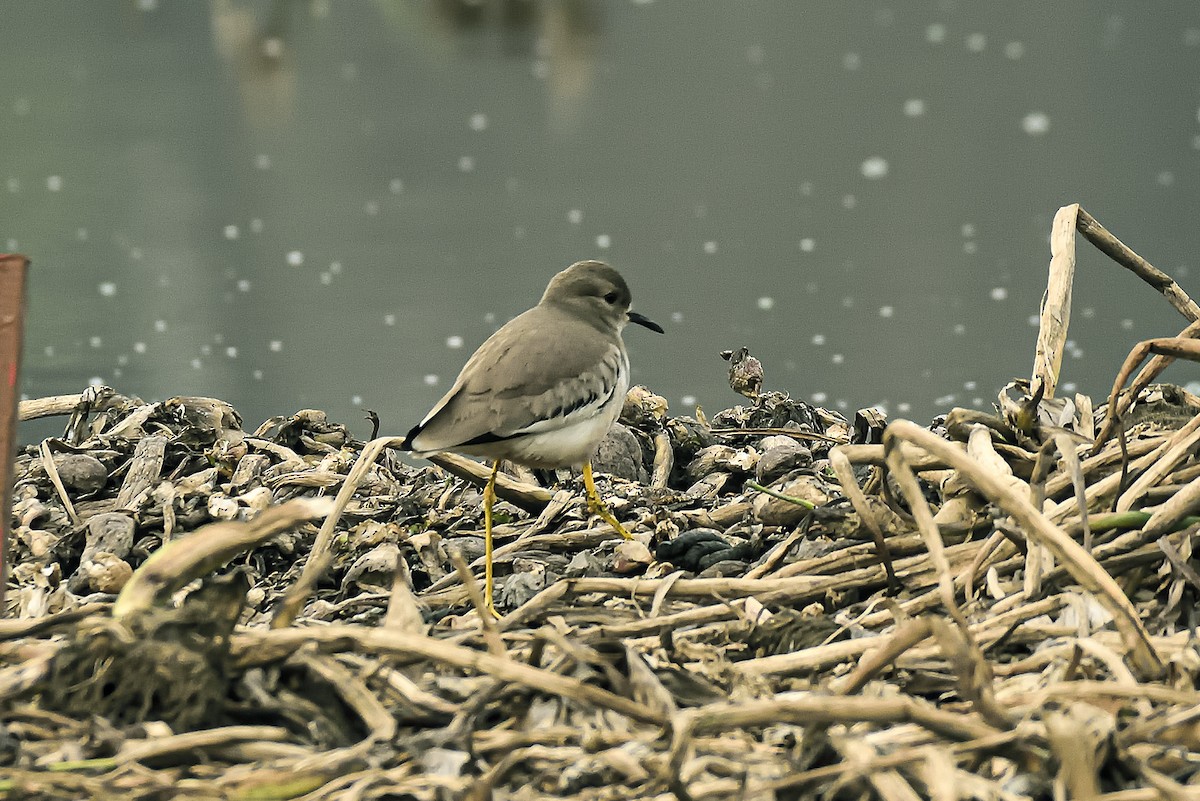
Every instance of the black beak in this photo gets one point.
(634, 317)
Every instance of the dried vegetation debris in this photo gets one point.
(744, 643)
(999, 606)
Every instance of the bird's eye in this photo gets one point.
(610, 298)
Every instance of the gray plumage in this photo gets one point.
(545, 388)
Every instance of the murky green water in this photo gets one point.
(318, 204)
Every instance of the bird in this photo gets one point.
(542, 391)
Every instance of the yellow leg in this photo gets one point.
(597, 506)
(489, 499)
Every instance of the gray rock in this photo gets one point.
(620, 454)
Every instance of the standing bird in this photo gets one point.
(543, 390)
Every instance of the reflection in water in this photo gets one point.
(560, 37)
(257, 53)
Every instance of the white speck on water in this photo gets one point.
(81, 234)
(272, 47)
(875, 167)
(231, 352)
(976, 42)
(256, 226)
(806, 188)
(14, 185)
(489, 318)
(430, 379)
(95, 381)
(847, 302)
(1191, 37)
(935, 33)
(710, 247)
(139, 347)
(371, 208)
(808, 244)
(766, 303)
(356, 400)
(206, 350)
(970, 247)
(454, 342)
(108, 289)
(262, 161)
(197, 364)
(348, 71)
(1088, 312)
(540, 69)
(54, 183)
(914, 107)
(257, 375)
(466, 163)
(959, 329)
(1127, 324)
(231, 232)
(95, 342)
(335, 267)
(837, 358)
(968, 230)
(275, 345)
(21, 106)
(1033, 320)
(603, 241)
(147, 5)
(818, 339)
(818, 397)
(160, 326)
(575, 216)
(1014, 50)
(295, 258)
(677, 317)
(326, 277)
(970, 386)
(851, 61)
(1195, 142)
(999, 293)
(12, 246)
(849, 201)
(945, 400)
(904, 407)
(519, 232)
(123, 359)
(1035, 123)
(243, 285)
(688, 400)
(1165, 178)
(1069, 386)
(756, 54)
(48, 351)
(395, 186)
(136, 254)
(479, 121)
(887, 311)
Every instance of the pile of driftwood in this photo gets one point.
(1000, 606)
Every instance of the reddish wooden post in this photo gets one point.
(13, 268)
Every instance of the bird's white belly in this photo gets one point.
(564, 447)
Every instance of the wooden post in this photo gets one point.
(13, 268)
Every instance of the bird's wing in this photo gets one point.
(536, 374)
